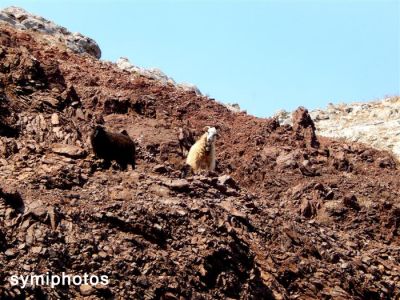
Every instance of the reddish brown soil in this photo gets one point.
(302, 217)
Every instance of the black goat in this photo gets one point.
(113, 146)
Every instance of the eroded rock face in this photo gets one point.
(374, 123)
(21, 19)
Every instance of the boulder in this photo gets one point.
(304, 127)
(68, 150)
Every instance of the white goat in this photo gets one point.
(201, 155)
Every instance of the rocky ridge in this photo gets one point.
(375, 123)
(78, 43)
(21, 19)
(288, 214)
(155, 74)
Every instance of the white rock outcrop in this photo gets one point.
(155, 74)
(374, 123)
(21, 19)
(234, 107)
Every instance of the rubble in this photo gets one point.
(282, 217)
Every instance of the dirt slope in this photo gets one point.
(287, 215)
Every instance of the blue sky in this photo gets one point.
(264, 55)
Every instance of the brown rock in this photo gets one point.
(36, 250)
(307, 209)
(10, 253)
(228, 181)
(161, 169)
(387, 162)
(79, 114)
(55, 119)
(68, 150)
(351, 201)
(86, 290)
(304, 126)
(121, 195)
(178, 184)
(116, 106)
(288, 160)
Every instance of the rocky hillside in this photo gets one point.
(21, 19)
(374, 123)
(287, 214)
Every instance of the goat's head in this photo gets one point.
(211, 134)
